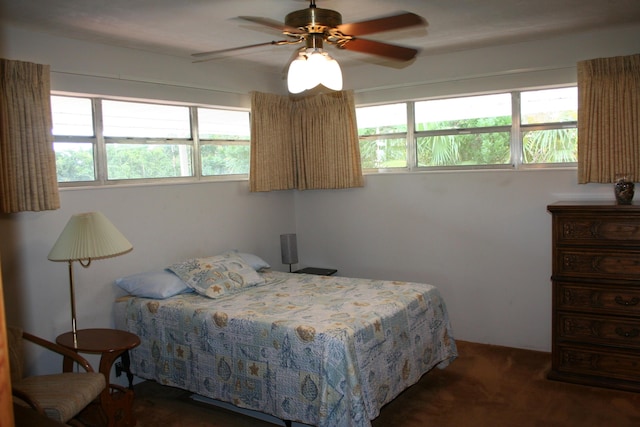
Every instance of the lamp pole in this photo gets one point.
(73, 305)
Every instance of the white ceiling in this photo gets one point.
(183, 27)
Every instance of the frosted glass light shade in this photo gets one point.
(311, 68)
(296, 77)
(89, 236)
(332, 75)
(315, 69)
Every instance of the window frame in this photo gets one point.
(201, 142)
(516, 130)
(99, 143)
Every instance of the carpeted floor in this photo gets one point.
(486, 386)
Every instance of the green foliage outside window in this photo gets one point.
(224, 159)
(137, 161)
(74, 164)
(464, 150)
(460, 149)
(550, 146)
(383, 153)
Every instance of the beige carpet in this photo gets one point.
(486, 386)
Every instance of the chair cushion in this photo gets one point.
(63, 396)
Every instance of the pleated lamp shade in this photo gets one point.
(89, 236)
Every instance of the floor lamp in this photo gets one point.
(87, 236)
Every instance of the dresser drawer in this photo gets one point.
(597, 263)
(597, 230)
(617, 300)
(612, 331)
(598, 363)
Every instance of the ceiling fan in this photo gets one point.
(315, 26)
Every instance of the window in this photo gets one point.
(503, 130)
(224, 141)
(74, 141)
(147, 140)
(383, 136)
(72, 116)
(100, 140)
(549, 126)
(468, 131)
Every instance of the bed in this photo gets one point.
(324, 351)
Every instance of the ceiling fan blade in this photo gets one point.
(208, 56)
(392, 51)
(273, 24)
(387, 23)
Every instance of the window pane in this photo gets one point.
(72, 116)
(224, 159)
(383, 153)
(382, 119)
(550, 146)
(464, 149)
(223, 124)
(464, 113)
(74, 161)
(138, 120)
(136, 161)
(549, 106)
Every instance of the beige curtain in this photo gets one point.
(305, 142)
(328, 150)
(272, 164)
(609, 119)
(28, 179)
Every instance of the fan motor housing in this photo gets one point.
(313, 19)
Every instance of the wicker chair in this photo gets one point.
(58, 396)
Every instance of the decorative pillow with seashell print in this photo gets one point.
(217, 276)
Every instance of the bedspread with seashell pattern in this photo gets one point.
(321, 350)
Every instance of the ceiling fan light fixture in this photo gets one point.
(297, 75)
(332, 77)
(311, 68)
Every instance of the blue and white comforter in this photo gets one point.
(325, 351)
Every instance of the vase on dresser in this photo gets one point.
(624, 190)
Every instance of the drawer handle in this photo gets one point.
(633, 333)
(632, 301)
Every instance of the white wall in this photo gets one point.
(519, 65)
(165, 224)
(83, 67)
(482, 237)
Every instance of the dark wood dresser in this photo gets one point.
(596, 294)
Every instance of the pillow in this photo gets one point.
(153, 284)
(217, 276)
(257, 263)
